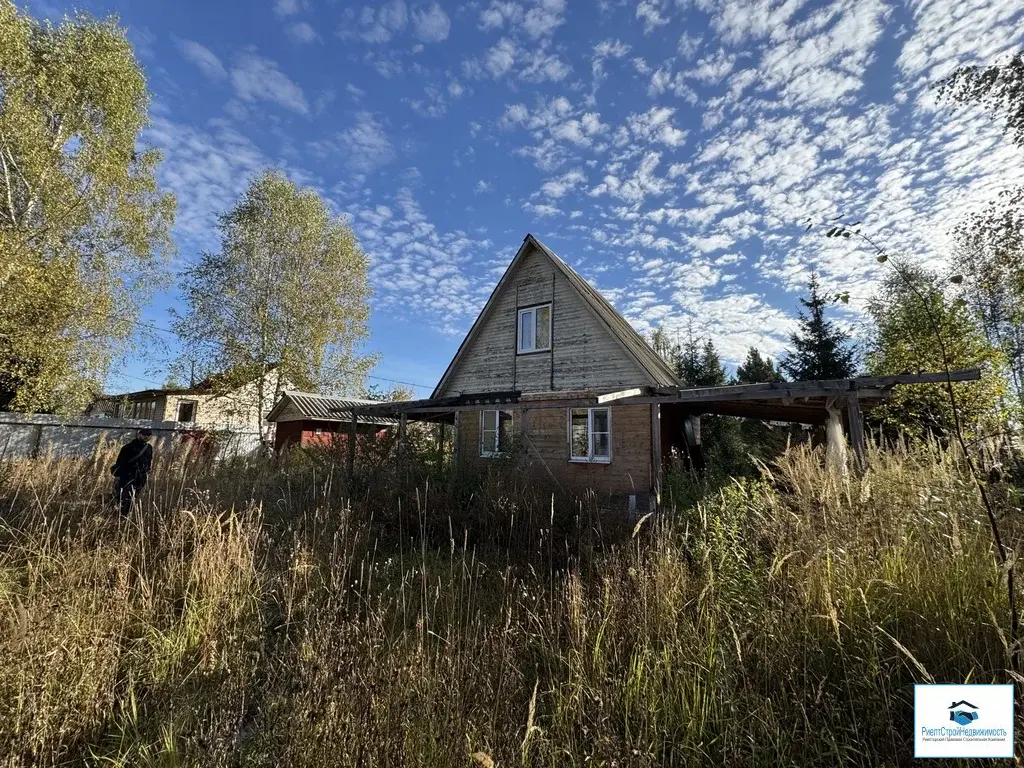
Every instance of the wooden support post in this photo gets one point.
(656, 459)
(402, 434)
(856, 419)
(457, 439)
(352, 444)
(440, 443)
(835, 442)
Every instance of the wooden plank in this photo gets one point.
(622, 393)
(856, 419)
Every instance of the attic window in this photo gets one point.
(534, 334)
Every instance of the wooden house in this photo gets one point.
(546, 334)
(551, 373)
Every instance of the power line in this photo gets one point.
(221, 346)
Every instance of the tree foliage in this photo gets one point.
(997, 87)
(757, 369)
(920, 329)
(84, 230)
(820, 348)
(397, 393)
(989, 256)
(286, 296)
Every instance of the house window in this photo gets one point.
(590, 435)
(495, 432)
(141, 409)
(534, 329)
(187, 411)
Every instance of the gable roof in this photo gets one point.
(325, 408)
(657, 370)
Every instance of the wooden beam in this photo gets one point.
(602, 399)
(456, 446)
(656, 460)
(402, 434)
(856, 419)
(835, 443)
(352, 444)
(972, 374)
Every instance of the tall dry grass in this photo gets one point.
(274, 614)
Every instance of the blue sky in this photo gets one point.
(667, 149)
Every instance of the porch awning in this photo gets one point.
(804, 402)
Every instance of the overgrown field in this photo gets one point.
(270, 614)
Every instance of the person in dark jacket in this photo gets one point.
(131, 469)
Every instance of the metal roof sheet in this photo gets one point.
(326, 408)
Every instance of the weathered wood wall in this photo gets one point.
(630, 470)
(584, 352)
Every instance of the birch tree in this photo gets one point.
(285, 301)
(84, 230)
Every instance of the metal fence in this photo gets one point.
(25, 435)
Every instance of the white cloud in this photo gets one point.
(207, 169)
(365, 145)
(380, 26)
(713, 69)
(949, 33)
(288, 7)
(532, 18)
(654, 125)
(689, 45)
(302, 32)
(418, 272)
(258, 79)
(544, 66)
(544, 18)
(637, 187)
(431, 25)
(500, 58)
(543, 209)
(652, 14)
(557, 188)
(203, 58)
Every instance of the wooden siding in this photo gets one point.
(301, 432)
(548, 444)
(584, 355)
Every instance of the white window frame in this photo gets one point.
(494, 450)
(195, 411)
(590, 458)
(522, 349)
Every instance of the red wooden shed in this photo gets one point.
(305, 418)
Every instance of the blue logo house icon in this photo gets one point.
(963, 712)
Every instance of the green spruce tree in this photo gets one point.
(821, 349)
(757, 369)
